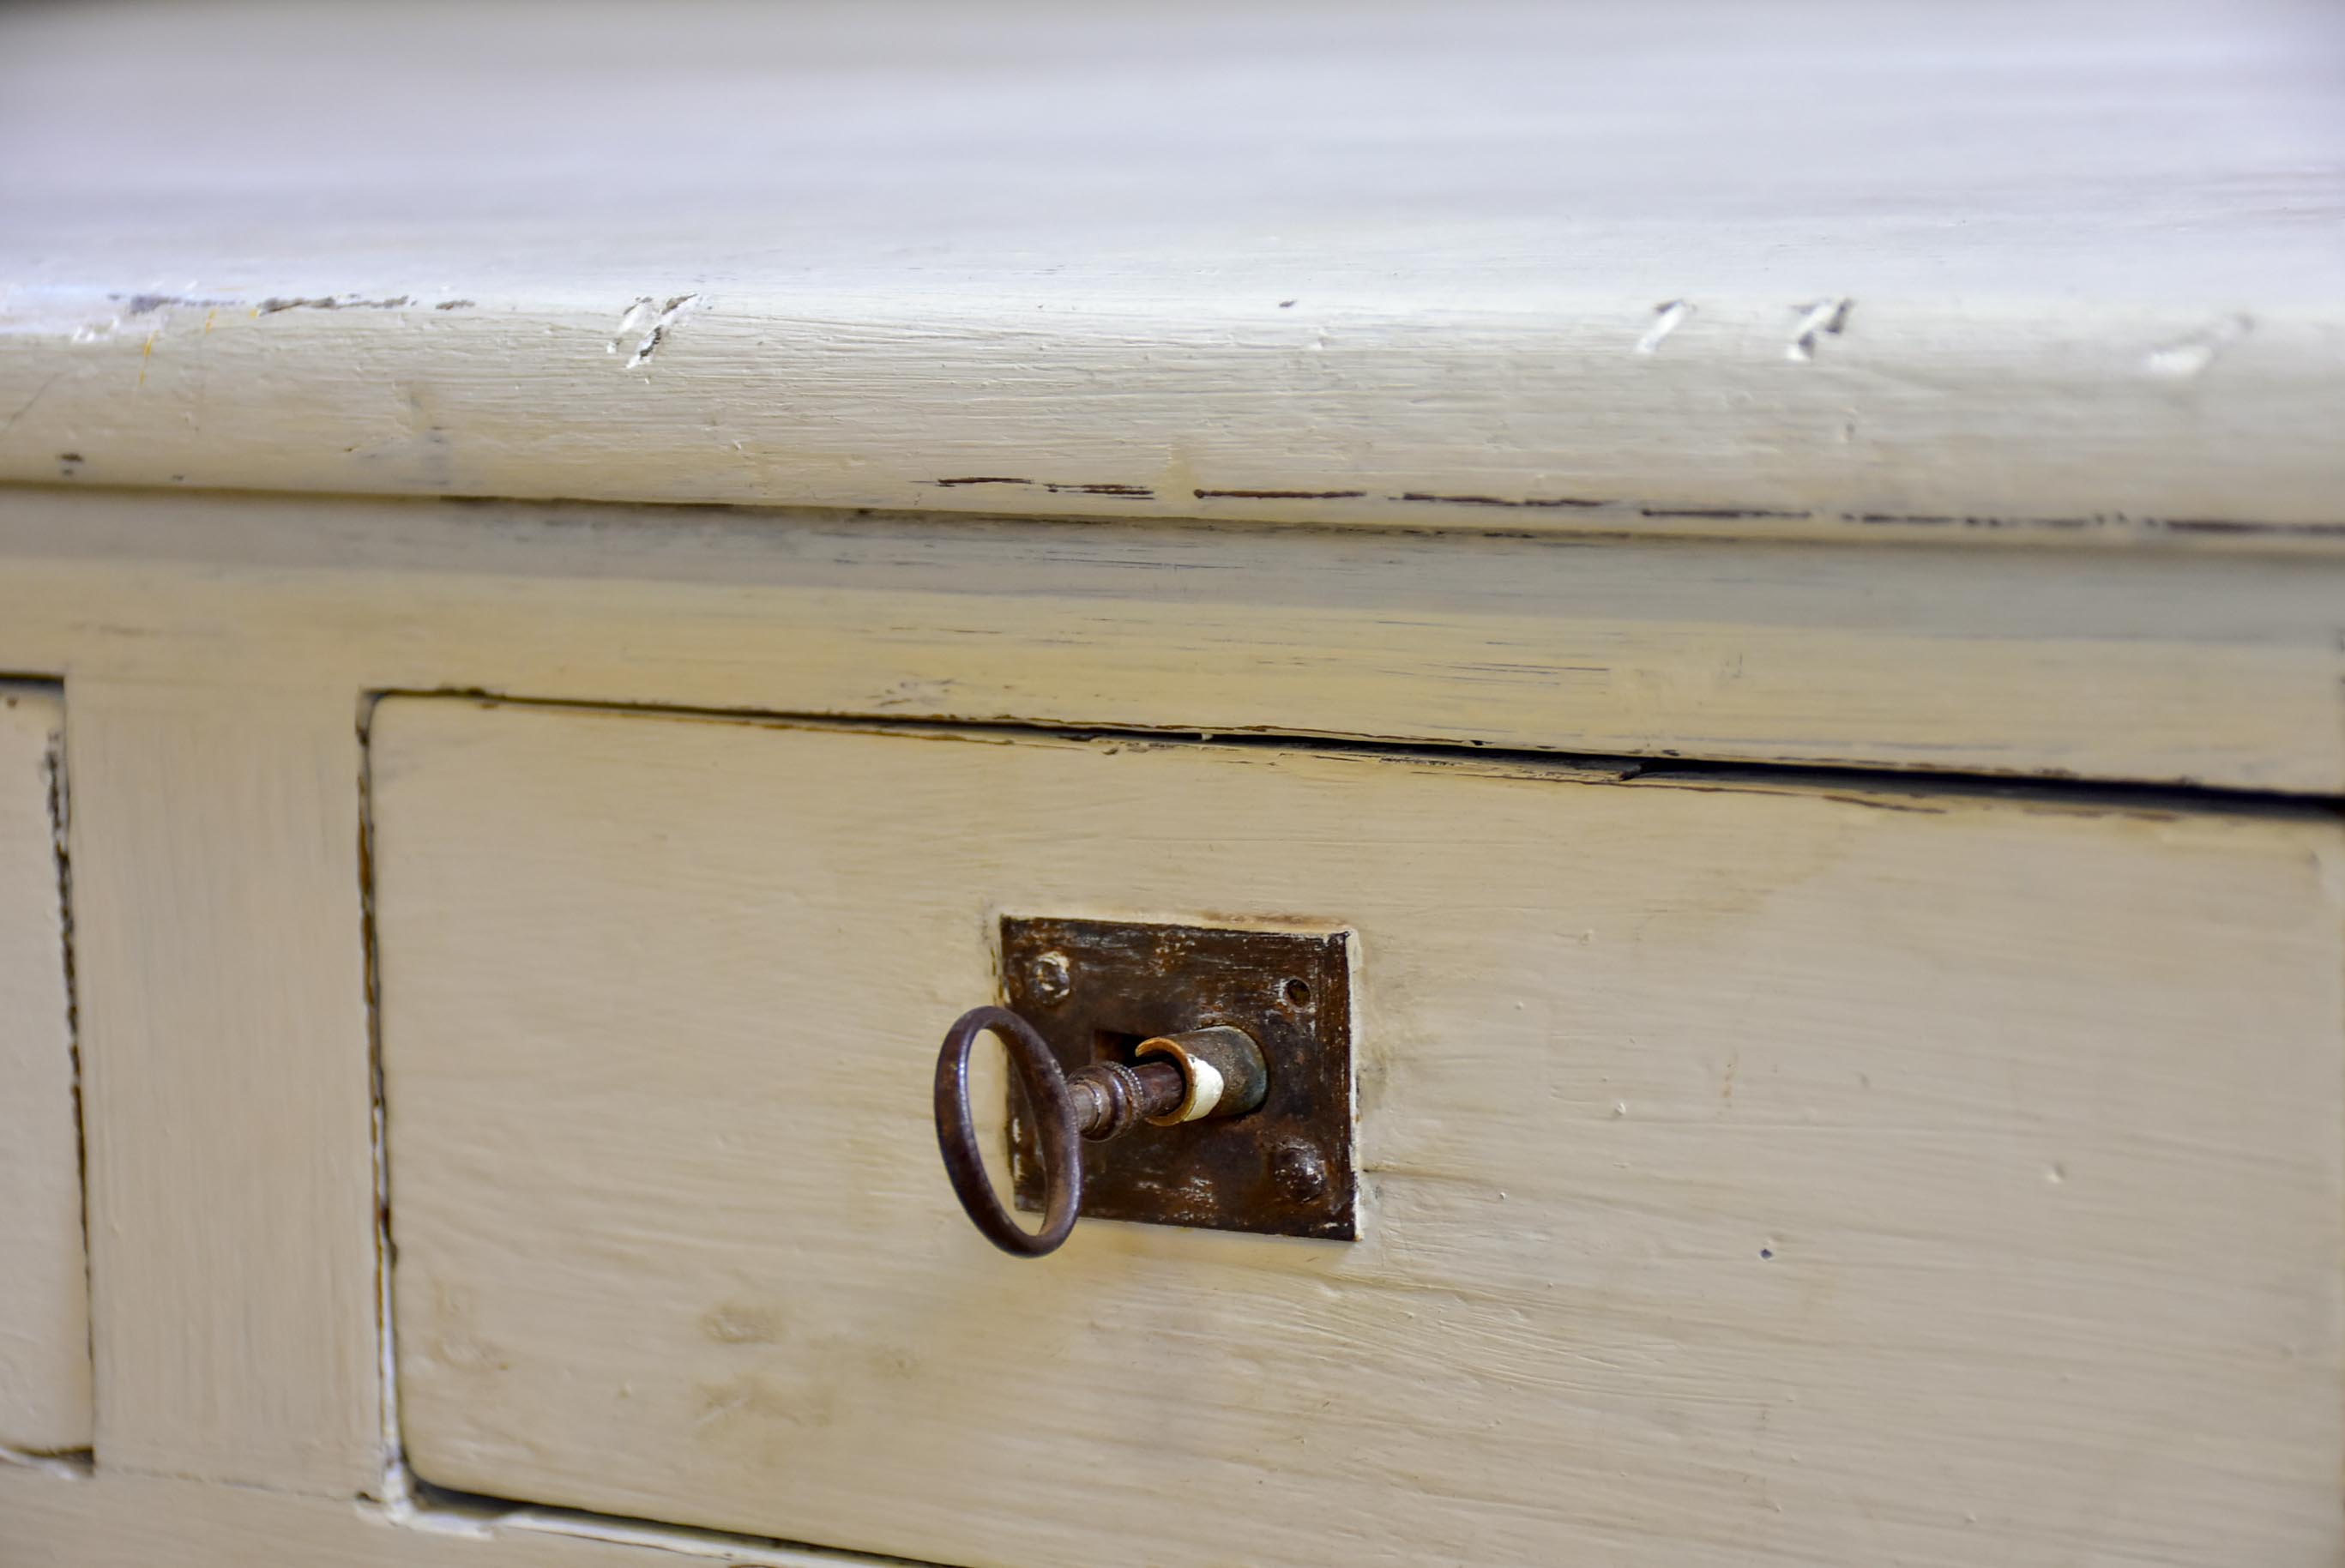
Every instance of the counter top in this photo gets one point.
(2070, 272)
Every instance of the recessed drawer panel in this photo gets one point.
(1748, 1172)
(44, 1393)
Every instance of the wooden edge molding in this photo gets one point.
(1870, 418)
(2138, 666)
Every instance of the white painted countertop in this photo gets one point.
(2069, 272)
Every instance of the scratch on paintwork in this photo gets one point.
(144, 354)
(1718, 513)
(1069, 487)
(1667, 317)
(1279, 495)
(273, 305)
(1535, 501)
(653, 322)
(146, 304)
(2185, 359)
(1127, 492)
(1826, 317)
(39, 393)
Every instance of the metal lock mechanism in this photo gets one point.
(1168, 1074)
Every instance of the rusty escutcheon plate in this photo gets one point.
(1096, 989)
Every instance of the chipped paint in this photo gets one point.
(1667, 317)
(2190, 357)
(1824, 317)
(649, 326)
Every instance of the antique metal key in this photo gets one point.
(1168, 1074)
(1192, 1076)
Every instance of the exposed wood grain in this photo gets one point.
(226, 1081)
(2092, 663)
(44, 1273)
(1716, 268)
(1752, 1173)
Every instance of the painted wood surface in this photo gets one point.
(223, 1006)
(1842, 1173)
(45, 1404)
(265, 619)
(2107, 665)
(1701, 267)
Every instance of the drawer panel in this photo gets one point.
(1750, 1172)
(45, 1392)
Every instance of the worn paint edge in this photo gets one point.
(60, 793)
(71, 1464)
(79, 1460)
(68, 355)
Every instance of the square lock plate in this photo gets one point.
(1096, 989)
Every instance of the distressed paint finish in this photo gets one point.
(1500, 351)
(1427, 268)
(1928, 421)
(45, 1404)
(1752, 1170)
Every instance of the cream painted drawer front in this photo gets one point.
(1752, 1172)
(44, 1281)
